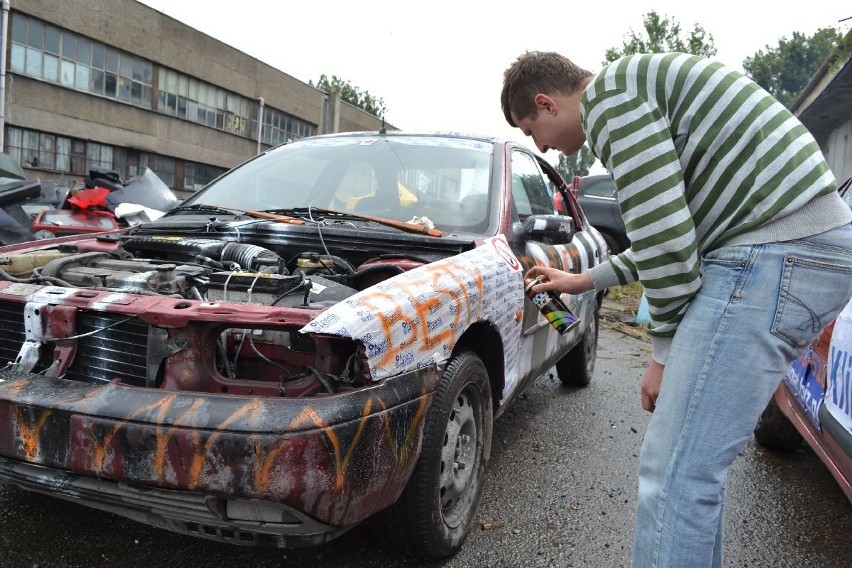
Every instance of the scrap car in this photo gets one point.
(321, 336)
(813, 402)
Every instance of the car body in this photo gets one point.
(599, 200)
(814, 400)
(320, 336)
(814, 403)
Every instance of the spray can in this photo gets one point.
(552, 308)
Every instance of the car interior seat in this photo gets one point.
(378, 203)
(473, 208)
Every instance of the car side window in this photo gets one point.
(529, 190)
(601, 188)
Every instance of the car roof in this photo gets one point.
(415, 133)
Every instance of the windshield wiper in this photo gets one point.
(299, 215)
(227, 210)
(204, 208)
(308, 212)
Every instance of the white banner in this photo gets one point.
(839, 395)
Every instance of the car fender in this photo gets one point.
(414, 319)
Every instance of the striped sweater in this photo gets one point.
(702, 157)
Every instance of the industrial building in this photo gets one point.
(84, 88)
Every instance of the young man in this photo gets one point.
(741, 242)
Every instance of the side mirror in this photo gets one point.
(549, 229)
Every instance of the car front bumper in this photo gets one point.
(249, 470)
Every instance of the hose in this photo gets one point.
(249, 256)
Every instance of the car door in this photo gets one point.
(531, 195)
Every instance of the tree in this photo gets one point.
(578, 162)
(351, 94)
(663, 34)
(785, 70)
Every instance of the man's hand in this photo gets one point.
(651, 385)
(558, 280)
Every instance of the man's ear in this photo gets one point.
(545, 103)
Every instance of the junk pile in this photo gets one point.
(33, 209)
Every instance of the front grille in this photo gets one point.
(12, 330)
(13, 334)
(108, 353)
(221, 534)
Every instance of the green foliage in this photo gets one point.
(579, 162)
(785, 70)
(351, 94)
(661, 35)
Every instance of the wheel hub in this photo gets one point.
(458, 457)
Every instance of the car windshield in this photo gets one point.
(445, 180)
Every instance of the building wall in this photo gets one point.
(132, 27)
(352, 119)
(838, 150)
(39, 105)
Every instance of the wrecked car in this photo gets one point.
(813, 402)
(321, 336)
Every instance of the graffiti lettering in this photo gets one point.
(841, 379)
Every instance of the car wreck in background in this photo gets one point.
(323, 335)
(42, 209)
(814, 400)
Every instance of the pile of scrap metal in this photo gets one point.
(40, 209)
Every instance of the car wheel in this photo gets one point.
(435, 513)
(575, 369)
(775, 431)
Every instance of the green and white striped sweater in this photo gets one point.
(702, 157)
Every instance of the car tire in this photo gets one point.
(775, 431)
(576, 368)
(435, 513)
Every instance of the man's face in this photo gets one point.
(556, 125)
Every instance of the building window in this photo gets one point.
(14, 144)
(279, 127)
(164, 167)
(196, 176)
(188, 98)
(98, 156)
(46, 52)
(39, 150)
(78, 157)
(63, 154)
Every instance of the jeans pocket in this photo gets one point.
(812, 294)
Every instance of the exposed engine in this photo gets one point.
(201, 269)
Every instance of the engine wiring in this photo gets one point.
(89, 333)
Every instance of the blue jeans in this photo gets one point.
(758, 308)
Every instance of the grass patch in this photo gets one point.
(629, 294)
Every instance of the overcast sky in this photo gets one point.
(439, 64)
